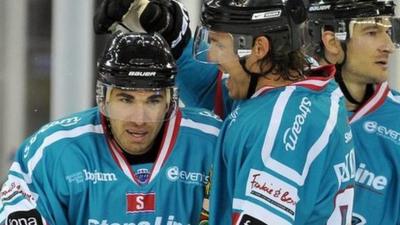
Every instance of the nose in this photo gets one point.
(138, 115)
(387, 45)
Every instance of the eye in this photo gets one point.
(372, 33)
(154, 101)
(125, 100)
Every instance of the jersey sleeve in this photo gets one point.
(222, 180)
(29, 191)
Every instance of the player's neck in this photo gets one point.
(356, 89)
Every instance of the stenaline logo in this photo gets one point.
(175, 174)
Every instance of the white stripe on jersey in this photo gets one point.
(314, 151)
(314, 82)
(371, 104)
(257, 211)
(275, 121)
(164, 150)
(323, 139)
(394, 98)
(122, 163)
(59, 135)
(208, 129)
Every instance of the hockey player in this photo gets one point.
(359, 37)
(200, 85)
(285, 152)
(134, 159)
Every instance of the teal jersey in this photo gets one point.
(71, 173)
(376, 133)
(285, 156)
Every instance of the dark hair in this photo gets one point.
(283, 64)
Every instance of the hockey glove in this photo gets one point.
(109, 13)
(171, 20)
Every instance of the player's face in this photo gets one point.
(222, 52)
(139, 116)
(368, 53)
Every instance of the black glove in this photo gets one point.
(109, 12)
(171, 20)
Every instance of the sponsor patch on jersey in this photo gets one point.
(249, 220)
(372, 127)
(272, 191)
(15, 190)
(140, 202)
(159, 220)
(95, 176)
(143, 175)
(370, 180)
(24, 218)
(346, 171)
(291, 135)
(175, 174)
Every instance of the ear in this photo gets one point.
(332, 46)
(261, 47)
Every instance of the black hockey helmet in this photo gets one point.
(337, 15)
(137, 60)
(279, 20)
(137, 63)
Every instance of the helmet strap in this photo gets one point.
(253, 78)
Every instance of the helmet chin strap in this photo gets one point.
(339, 79)
(253, 77)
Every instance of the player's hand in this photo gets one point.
(169, 18)
(109, 13)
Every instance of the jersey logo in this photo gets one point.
(140, 202)
(143, 175)
(291, 134)
(272, 191)
(249, 220)
(25, 217)
(346, 171)
(368, 179)
(372, 127)
(175, 174)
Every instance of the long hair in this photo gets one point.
(283, 64)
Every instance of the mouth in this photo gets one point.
(383, 63)
(137, 135)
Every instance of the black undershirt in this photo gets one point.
(148, 157)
